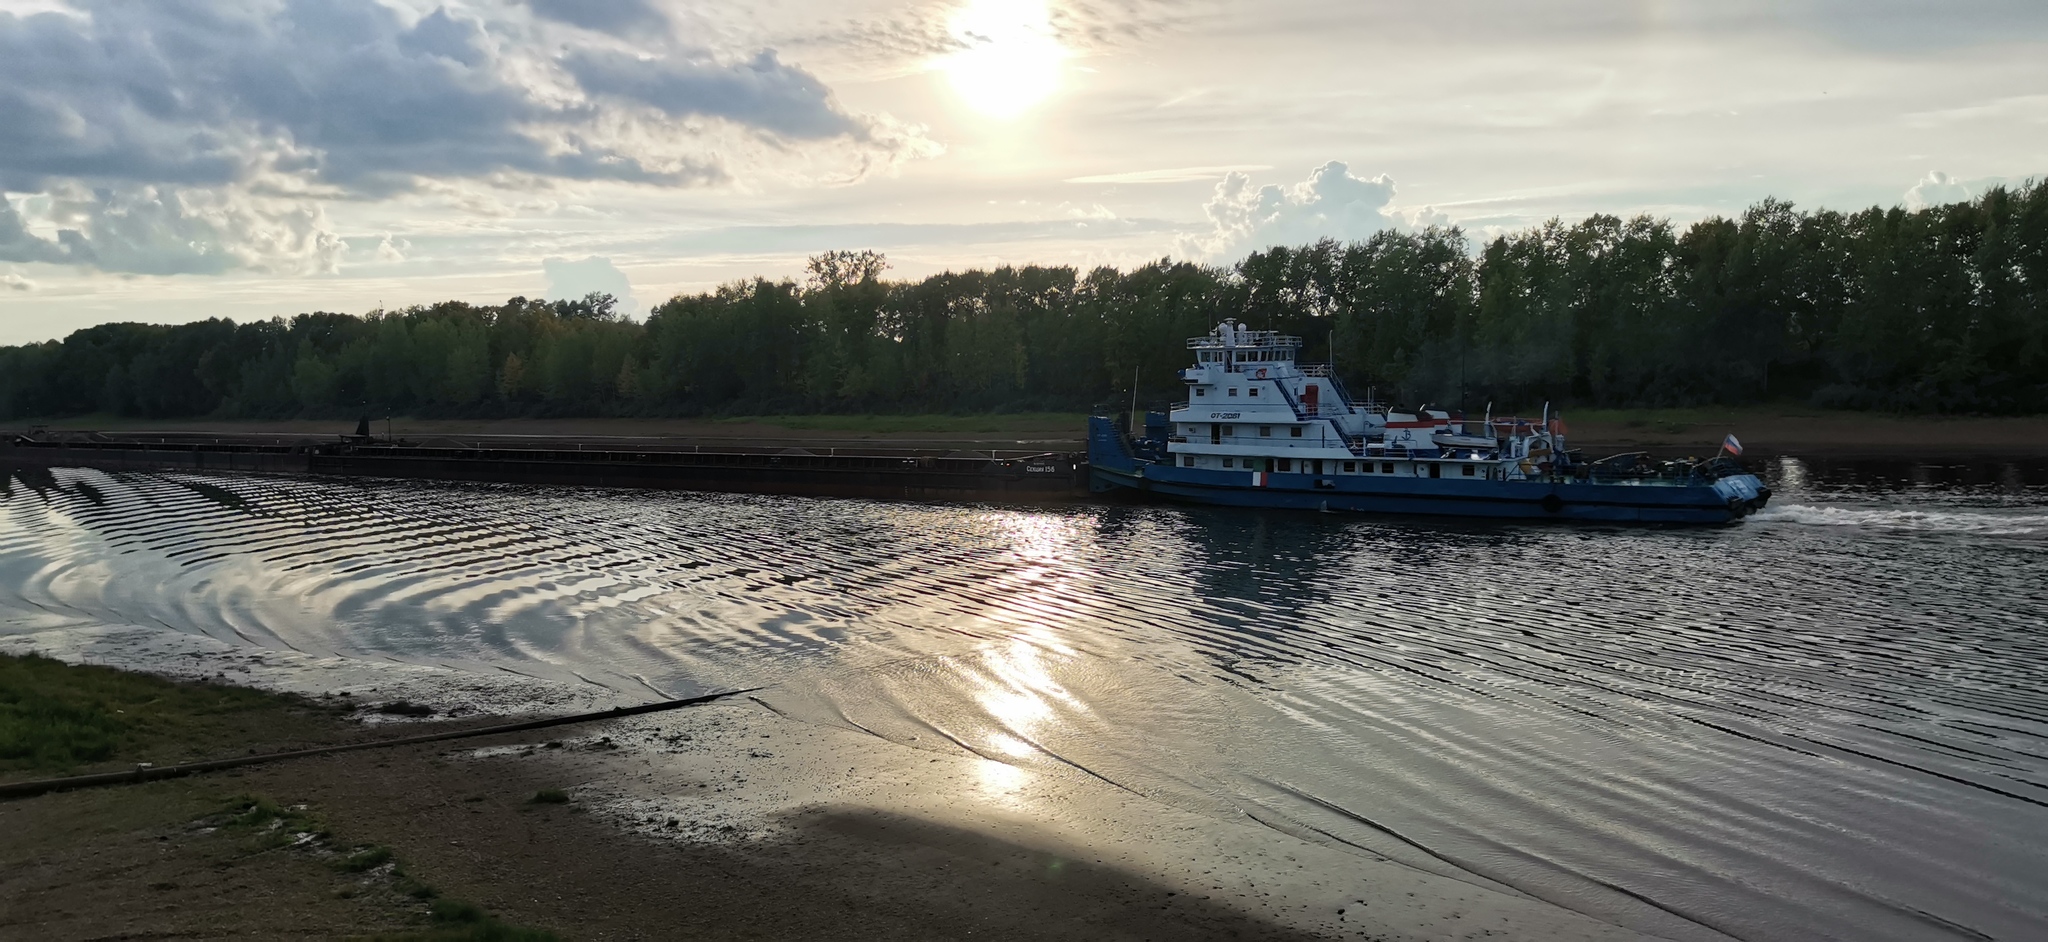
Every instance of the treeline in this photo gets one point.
(1940, 309)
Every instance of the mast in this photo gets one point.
(1136, 430)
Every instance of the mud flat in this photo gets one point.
(724, 821)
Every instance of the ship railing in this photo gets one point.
(1250, 339)
(1315, 369)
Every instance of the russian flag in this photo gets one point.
(1731, 445)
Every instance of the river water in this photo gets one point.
(1829, 722)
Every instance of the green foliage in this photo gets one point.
(55, 717)
(1944, 308)
(368, 858)
(267, 824)
(455, 921)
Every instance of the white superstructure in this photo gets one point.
(1252, 407)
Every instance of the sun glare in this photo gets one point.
(1010, 60)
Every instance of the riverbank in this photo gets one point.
(1763, 430)
(731, 821)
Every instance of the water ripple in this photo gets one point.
(1829, 722)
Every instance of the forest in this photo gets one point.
(1941, 309)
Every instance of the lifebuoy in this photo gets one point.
(1262, 372)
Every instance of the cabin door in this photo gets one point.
(1215, 434)
(1310, 395)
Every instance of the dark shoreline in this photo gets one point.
(897, 466)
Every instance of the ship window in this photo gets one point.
(1265, 431)
(1233, 390)
(1348, 467)
(1286, 464)
(1227, 430)
(1295, 431)
(1187, 461)
(1199, 391)
(1468, 470)
(1230, 462)
(1255, 390)
(1386, 467)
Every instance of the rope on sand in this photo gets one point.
(145, 772)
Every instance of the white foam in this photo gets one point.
(1988, 522)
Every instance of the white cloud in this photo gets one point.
(14, 282)
(153, 230)
(1331, 203)
(207, 130)
(1936, 189)
(569, 281)
(1169, 175)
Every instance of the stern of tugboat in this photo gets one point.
(1744, 492)
(1111, 462)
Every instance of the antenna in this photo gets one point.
(1135, 431)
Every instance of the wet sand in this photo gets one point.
(725, 821)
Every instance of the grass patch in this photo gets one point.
(268, 824)
(369, 858)
(1070, 424)
(454, 921)
(57, 717)
(551, 796)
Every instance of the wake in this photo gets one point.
(1990, 522)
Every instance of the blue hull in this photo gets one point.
(1497, 500)
(1114, 468)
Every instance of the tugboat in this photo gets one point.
(1261, 430)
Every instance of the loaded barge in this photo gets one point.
(1261, 430)
(875, 471)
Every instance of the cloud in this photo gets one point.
(569, 280)
(167, 231)
(1170, 175)
(175, 104)
(13, 282)
(391, 250)
(1331, 203)
(762, 93)
(617, 17)
(17, 244)
(1937, 189)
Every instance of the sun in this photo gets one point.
(1010, 60)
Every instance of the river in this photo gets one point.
(1827, 722)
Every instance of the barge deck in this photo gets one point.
(875, 471)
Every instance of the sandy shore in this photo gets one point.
(1763, 431)
(726, 821)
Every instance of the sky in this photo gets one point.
(172, 160)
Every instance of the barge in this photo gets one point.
(779, 468)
